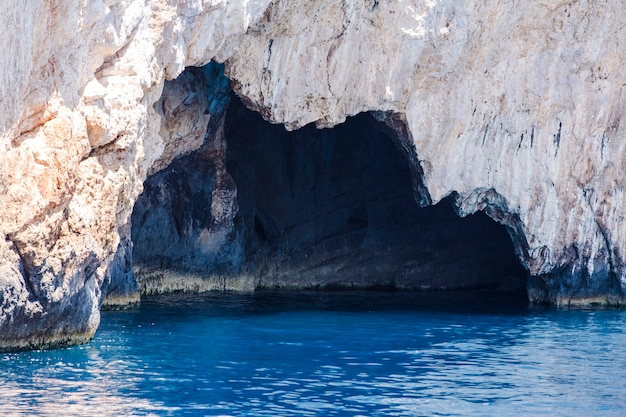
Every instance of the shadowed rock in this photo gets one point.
(332, 208)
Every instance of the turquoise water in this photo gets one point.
(330, 354)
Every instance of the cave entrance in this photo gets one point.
(336, 208)
(258, 207)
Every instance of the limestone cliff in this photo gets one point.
(79, 135)
(513, 109)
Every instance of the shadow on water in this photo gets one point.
(267, 302)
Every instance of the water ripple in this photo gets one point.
(236, 356)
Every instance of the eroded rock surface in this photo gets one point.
(517, 111)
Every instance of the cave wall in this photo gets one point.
(183, 230)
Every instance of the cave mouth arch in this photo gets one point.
(259, 207)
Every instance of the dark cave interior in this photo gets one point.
(337, 208)
(313, 209)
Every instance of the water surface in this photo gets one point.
(330, 354)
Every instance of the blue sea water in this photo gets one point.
(330, 354)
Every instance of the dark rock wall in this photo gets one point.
(183, 230)
(119, 285)
(337, 208)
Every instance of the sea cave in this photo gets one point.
(259, 207)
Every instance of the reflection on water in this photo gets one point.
(329, 354)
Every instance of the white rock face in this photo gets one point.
(516, 110)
